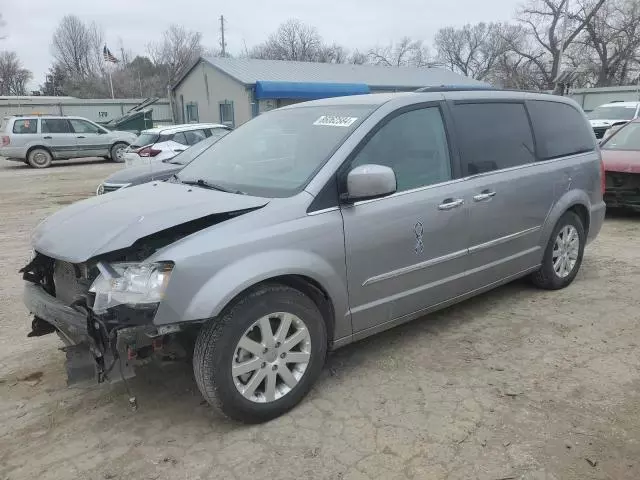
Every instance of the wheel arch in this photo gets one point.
(41, 147)
(576, 201)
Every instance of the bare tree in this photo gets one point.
(177, 50)
(293, 40)
(406, 52)
(474, 50)
(77, 47)
(13, 77)
(543, 21)
(609, 51)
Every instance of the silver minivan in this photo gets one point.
(38, 140)
(314, 226)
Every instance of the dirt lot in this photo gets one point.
(518, 383)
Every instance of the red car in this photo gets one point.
(621, 156)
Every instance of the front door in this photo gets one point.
(509, 194)
(407, 251)
(92, 140)
(58, 137)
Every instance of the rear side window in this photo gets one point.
(55, 125)
(194, 136)
(559, 129)
(27, 125)
(493, 136)
(180, 138)
(145, 139)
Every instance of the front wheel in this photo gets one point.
(117, 152)
(261, 356)
(563, 256)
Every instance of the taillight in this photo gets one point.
(148, 152)
(603, 182)
(6, 140)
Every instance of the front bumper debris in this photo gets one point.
(622, 190)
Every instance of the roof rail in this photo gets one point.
(456, 88)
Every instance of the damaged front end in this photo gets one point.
(622, 190)
(105, 331)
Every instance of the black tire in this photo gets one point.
(114, 152)
(547, 277)
(39, 158)
(216, 345)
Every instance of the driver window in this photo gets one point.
(414, 145)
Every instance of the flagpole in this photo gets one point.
(111, 83)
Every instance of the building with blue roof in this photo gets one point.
(234, 90)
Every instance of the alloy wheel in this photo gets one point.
(565, 251)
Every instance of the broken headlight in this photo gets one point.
(130, 284)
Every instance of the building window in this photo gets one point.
(192, 112)
(226, 113)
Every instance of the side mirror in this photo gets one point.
(370, 181)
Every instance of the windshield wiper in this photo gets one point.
(212, 186)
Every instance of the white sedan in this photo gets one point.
(164, 143)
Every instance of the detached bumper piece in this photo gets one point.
(93, 353)
(622, 190)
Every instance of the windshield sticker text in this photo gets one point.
(335, 121)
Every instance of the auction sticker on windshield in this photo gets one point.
(335, 121)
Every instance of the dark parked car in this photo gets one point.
(621, 157)
(129, 177)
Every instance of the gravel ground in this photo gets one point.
(515, 384)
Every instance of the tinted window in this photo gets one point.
(28, 125)
(493, 136)
(180, 138)
(414, 145)
(82, 126)
(194, 136)
(145, 139)
(55, 125)
(560, 129)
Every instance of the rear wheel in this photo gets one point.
(39, 158)
(117, 152)
(563, 256)
(260, 357)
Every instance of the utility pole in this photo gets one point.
(223, 45)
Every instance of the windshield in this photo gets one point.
(612, 113)
(276, 153)
(192, 152)
(145, 139)
(627, 138)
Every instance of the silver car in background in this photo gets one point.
(314, 226)
(38, 140)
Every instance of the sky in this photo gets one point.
(356, 24)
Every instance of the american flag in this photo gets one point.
(108, 56)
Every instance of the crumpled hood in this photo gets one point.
(114, 221)
(624, 161)
(144, 173)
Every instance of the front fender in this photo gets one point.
(230, 281)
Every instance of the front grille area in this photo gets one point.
(71, 283)
(600, 131)
(106, 188)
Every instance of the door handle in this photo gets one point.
(450, 203)
(47, 137)
(485, 195)
(80, 136)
